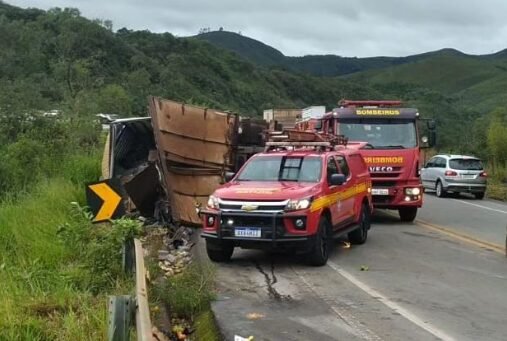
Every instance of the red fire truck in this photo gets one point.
(298, 194)
(392, 151)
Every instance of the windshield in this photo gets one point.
(381, 134)
(465, 164)
(282, 168)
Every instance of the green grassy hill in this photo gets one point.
(248, 48)
(325, 65)
(57, 59)
(477, 81)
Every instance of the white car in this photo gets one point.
(454, 173)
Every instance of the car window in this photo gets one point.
(332, 168)
(431, 162)
(440, 162)
(466, 164)
(344, 167)
(282, 168)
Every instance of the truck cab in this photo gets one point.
(392, 152)
(294, 195)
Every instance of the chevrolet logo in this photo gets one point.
(249, 208)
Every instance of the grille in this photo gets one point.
(381, 200)
(259, 207)
(383, 183)
(264, 223)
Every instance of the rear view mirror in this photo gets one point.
(229, 176)
(432, 140)
(337, 179)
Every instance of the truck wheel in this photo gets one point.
(479, 196)
(440, 191)
(219, 251)
(320, 250)
(407, 214)
(359, 235)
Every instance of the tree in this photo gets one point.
(113, 99)
(497, 137)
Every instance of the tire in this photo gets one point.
(219, 252)
(479, 196)
(407, 214)
(360, 235)
(320, 250)
(439, 190)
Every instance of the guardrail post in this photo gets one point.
(121, 310)
(143, 320)
(128, 256)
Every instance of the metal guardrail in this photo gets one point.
(123, 309)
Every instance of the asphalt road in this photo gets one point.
(441, 278)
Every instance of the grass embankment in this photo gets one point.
(56, 268)
(497, 185)
(188, 296)
(497, 191)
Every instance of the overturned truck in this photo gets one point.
(169, 163)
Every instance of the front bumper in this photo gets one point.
(274, 232)
(396, 197)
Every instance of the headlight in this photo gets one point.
(213, 202)
(413, 191)
(301, 204)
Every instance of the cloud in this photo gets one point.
(297, 27)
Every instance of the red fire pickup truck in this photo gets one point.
(295, 195)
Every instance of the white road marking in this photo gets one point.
(481, 206)
(394, 306)
(356, 328)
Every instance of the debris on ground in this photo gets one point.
(364, 268)
(254, 316)
(158, 335)
(176, 253)
(240, 338)
(181, 329)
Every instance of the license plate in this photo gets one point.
(380, 191)
(468, 176)
(248, 232)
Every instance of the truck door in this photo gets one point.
(348, 200)
(337, 212)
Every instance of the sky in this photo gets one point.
(350, 28)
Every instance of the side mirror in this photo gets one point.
(424, 141)
(432, 140)
(337, 179)
(229, 176)
(431, 124)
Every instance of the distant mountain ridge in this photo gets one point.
(319, 65)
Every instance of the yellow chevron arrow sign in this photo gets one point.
(104, 201)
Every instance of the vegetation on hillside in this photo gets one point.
(460, 91)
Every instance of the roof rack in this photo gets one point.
(292, 139)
